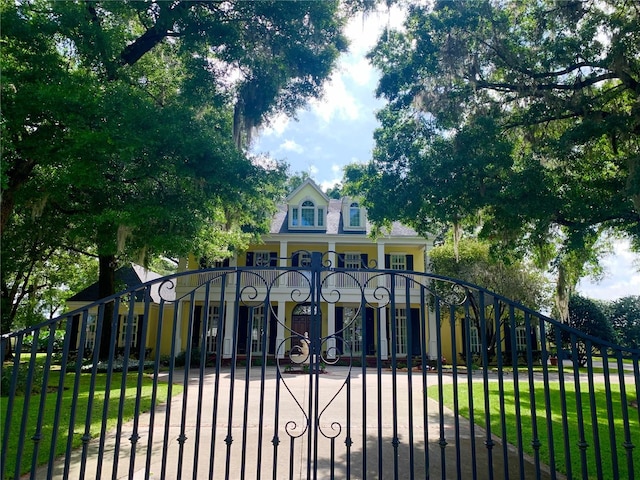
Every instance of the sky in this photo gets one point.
(338, 130)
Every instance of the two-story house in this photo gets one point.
(274, 309)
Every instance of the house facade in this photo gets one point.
(355, 317)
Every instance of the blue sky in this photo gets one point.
(338, 130)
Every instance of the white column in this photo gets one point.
(333, 262)
(227, 347)
(382, 341)
(280, 331)
(331, 329)
(282, 282)
(433, 342)
(178, 338)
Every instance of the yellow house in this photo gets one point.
(129, 310)
(275, 308)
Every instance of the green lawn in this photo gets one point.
(604, 450)
(81, 413)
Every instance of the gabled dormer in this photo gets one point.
(354, 215)
(307, 208)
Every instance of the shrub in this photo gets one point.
(21, 381)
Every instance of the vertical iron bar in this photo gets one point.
(76, 391)
(547, 401)
(594, 414)
(43, 398)
(456, 396)
(497, 316)
(154, 389)
(247, 379)
(535, 441)
(142, 341)
(628, 444)
(563, 403)
(485, 379)
(516, 388)
(442, 442)
(27, 397)
(59, 398)
(204, 325)
(263, 372)
(12, 389)
(610, 420)
(470, 399)
(394, 372)
(276, 414)
(409, 340)
(379, 400)
(123, 381)
(221, 329)
(424, 322)
(232, 380)
(582, 442)
(172, 366)
(182, 438)
(107, 392)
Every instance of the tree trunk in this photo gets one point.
(106, 288)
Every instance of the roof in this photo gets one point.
(129, 276)
(334, 223)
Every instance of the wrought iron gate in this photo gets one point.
(397, 374)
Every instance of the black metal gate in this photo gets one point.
(315, 372)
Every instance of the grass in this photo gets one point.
(563, 460)
(80, 417)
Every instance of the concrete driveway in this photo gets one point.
(270, 438)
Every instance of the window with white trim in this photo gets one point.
(124, 322)
(352, 260)
(352, 334)
(401, 330)
(307, 215)
(90, 338)
(257, 329)
(474, 340)
(262, 259)
(521, 338)
(398, 261)
(212, 328)
(354, 215)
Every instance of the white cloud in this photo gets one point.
(335, 168)
(336, 101)
(621, 279)
(276, 125)
(291, 146)
(327, 184)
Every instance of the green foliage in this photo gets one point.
(523, 418)
(21, 380)
(519, 117)
(587, 316)
(625, 319)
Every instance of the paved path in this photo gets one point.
(254, 427)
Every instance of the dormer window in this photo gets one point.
(354, 215)
(307, 215)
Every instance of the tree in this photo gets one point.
(586, 316)
(625, 319)
(523, 115)
(130, 118)
(474, 263)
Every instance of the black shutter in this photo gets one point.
(370, 326)
(416, 335)
(273, 330)
(364, 260)
(409, 262)
(243, 319)
(339, 327)
(139, 347)
(341, 260)
(387, 261)
(249, 262)
(202, 263)
(75, 328)
(197, 321)
(507, 337)
(273, 259)
(295, 259)
(225, 263)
